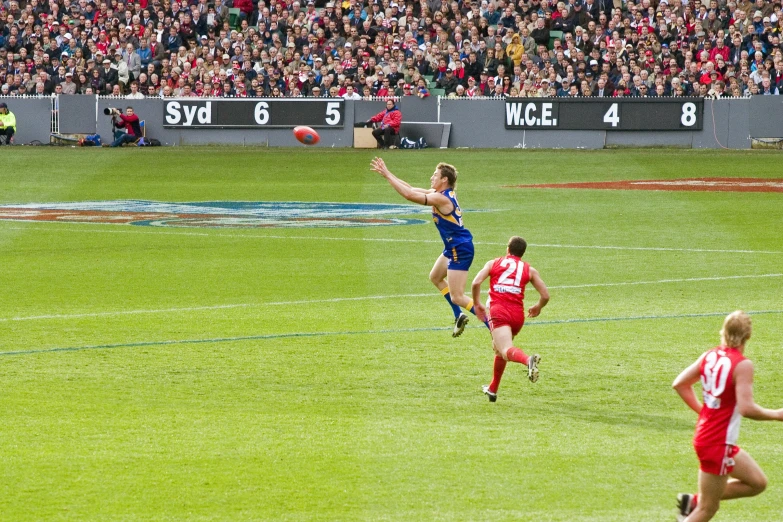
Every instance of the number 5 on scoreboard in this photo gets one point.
(612, 116)
(333, 113)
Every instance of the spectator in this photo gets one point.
(7, 125)
(473, 89)
(134, 94)
(656, 38)
(541, 33)
(389, 128)
(350, 94)
(68, 86)
(448, 83)
(133, 60)
(766, 88)
(515, 50)
(421, 89)
(123, 73)
(109, 75)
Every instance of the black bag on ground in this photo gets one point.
(407, 143)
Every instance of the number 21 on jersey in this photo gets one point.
(512, 267)
(714, 376)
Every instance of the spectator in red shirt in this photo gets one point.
(390, 120)
(245, 6)
(720, 50)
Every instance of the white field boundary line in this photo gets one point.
(347, 299)
(157, 231)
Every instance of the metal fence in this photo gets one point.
(475, 122)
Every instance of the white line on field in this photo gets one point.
(662, 281)
(213, 307)
(153, 231)
(344, 299)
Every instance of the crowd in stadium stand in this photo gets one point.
(358, 49)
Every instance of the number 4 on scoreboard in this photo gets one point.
(612, 116)
(688, 118)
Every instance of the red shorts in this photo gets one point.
(500, 315)
(717, 460)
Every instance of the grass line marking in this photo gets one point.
(348, 299)
(663, 281)
(134, 230)
(266, 337)
(213, 307)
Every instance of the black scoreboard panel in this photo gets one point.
(632, 114)
(195, 113)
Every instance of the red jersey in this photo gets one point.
(507, 279)
(719, 420)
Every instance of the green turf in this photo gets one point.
(130, 395)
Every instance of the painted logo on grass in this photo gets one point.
(687, 184)
(217, 214)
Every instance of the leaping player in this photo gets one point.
(725, 471)
(508, 276)
(450, 272)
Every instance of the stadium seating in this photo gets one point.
(682, 81)
(554, 35)
(234, 17)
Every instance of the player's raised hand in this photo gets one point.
(379, 166)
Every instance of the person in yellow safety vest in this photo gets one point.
(7, 125)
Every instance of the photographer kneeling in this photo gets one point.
(128, 128)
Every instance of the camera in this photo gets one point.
(108, 111)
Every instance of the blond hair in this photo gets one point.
(736, 329)
(448, 171)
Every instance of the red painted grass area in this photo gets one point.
(686, 184)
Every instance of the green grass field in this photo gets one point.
(168, 373)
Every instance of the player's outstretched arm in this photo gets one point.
(481, 311)
(414, 195)
(683, 385)
(543, 293)
(743, 381)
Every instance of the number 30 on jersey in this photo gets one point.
(714, 377)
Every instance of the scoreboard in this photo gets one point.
(631, 114)
(207, 113)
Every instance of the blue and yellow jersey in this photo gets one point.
(450, 226)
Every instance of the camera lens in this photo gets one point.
(107, 111)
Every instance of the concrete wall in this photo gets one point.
(728, 123)
(766, 117)
(731, 127)
(151, 111)
(33, 118)
(78, 114)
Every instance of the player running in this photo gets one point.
(727, 389)
(508, 276)
(450, 272)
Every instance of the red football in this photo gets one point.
(306, 135)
